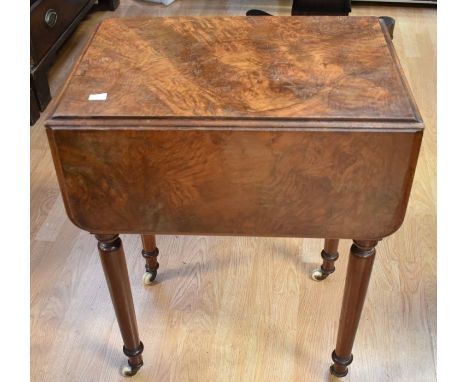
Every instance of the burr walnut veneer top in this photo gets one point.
(259, 126)
(284, 71)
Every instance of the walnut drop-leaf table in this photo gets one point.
(258, 126)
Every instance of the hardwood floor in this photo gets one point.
(236, 308)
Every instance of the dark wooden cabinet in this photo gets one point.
(51, 23)
(49, 20)
(34, 111)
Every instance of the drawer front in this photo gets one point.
(49, 19)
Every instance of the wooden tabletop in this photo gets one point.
(307, 70)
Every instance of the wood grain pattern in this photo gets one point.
(241, 177)
(275, 67)
(207, 283)
(258, 183)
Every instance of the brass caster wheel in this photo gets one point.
(149, 277)
(129, 371)
(318, 275)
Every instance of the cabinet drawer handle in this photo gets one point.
(50, 18)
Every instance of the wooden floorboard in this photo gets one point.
(234, 308)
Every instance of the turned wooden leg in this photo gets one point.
(329, 256)
(115, 269)
(358, 275)
(150, 252)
